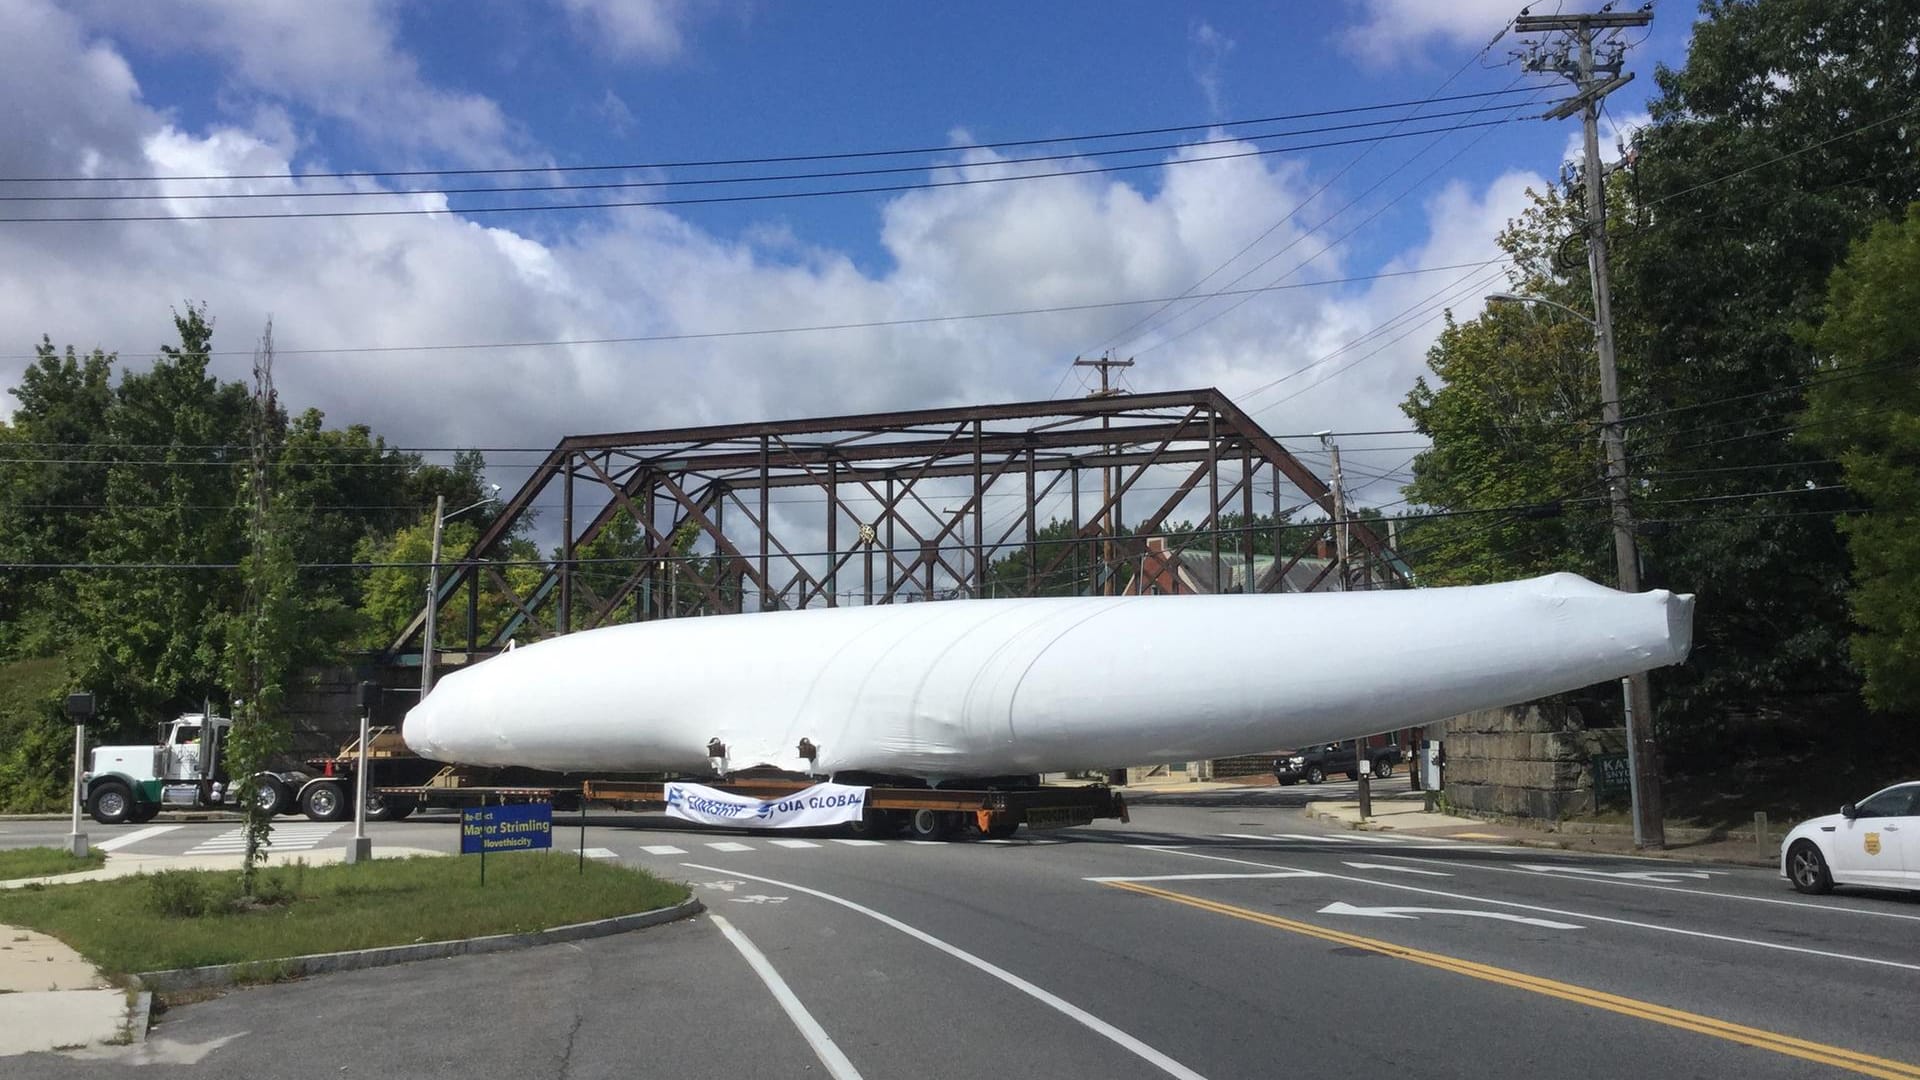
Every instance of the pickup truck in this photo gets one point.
(1315, 763)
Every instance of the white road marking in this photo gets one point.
(757, 898)
(729, 845)
(1308, 837)
(723, 886)
(133, 837)
(1378, 884)
(793, 843)
(1206, 877)
(1091, 1022)
(1664, 877)
(1661, 888)
(823, 1045)
(927, 843)
(860, 843)
(303, 837)
(600, 853)
(1341, 907)
(1400, 869)
(1374, 838)
(662, 849)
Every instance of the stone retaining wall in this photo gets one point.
(1528, 761)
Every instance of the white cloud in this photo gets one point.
(1206, 53)
(1394, 30)
(645, 29)
(428, 280)
(341, 59)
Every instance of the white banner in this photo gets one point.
(821, 804)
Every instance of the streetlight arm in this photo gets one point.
(1517, 298)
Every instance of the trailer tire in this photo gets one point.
(324, 800)
(929, 824)
(876, 825)
(111, 803)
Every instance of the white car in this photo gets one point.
(1874, 843)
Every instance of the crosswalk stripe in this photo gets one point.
(133, 837)
(728, 845)
(599, 853)
(793, 843)
(859, 843)
(662, 849)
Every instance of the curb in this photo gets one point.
(218, 975)
(140, 1016)
(1753, 862)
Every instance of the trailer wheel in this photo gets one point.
(929, 825)
(383, 808)
(876, 825)
(324, 801)
(1002, 828)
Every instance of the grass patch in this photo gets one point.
(45, 862)
(192, 918)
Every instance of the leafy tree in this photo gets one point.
(1511, 418)
(153, 636)
(1865, 412)
(51, 479)
(1769, 151)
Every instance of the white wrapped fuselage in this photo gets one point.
(974, 688)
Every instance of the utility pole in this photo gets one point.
(1574, 50)
(1108, 475)
(1341, 536)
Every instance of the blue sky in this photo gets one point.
(222, 87)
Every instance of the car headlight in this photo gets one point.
(1296, 761)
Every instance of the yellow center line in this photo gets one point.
(1836, 1056)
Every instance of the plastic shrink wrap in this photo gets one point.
(978, 688)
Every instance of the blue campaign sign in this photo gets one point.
(512, 827)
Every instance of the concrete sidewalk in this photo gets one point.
(1407, 813)
(51, 998)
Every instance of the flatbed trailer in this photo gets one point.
(919, 812)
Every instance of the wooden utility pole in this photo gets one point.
(1108, 476)
(1584, 49)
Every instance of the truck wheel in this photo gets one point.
(928, 825)
(1383, 768)
(876, 825)
(324, 802)
(145, 812)
(111, 803)
(270, 796)
(1316, 775)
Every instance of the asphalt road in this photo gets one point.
(1226, 938)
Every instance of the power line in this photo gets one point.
(424, 211)
(706, 335)
(831, 174)
(764, 160)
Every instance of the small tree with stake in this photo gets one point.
(260, 648)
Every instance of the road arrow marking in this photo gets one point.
(1662, 876)
(1401, 869)
(723, 886)
(758, 898)
(1341, 908)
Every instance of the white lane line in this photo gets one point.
(927, 843)
(1091, 1022)
(793, 843)
(662, 849)
(860, 843)
(1371, 838)
(1660, 888)
(1341, 907)
(133, 837)
(823, 1045)
(729, 845)
(1398, 869)
(1206, 877)
(1727, 938)
(1309, 838)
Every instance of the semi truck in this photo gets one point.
(186, 770)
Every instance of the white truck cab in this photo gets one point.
(185, 770)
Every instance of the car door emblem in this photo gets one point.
(1873, 843)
